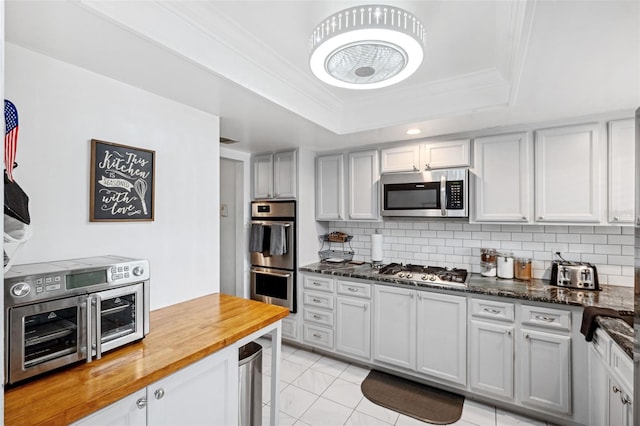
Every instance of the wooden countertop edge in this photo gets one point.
(140, 364)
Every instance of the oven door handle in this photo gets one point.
(275, 274)
(96, 303)
(86, 306)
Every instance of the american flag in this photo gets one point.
(10, 137)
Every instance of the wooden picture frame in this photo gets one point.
(122, 183)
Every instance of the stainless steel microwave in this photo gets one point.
(433, 193)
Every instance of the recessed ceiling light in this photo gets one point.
(367, 47)
(414, 131)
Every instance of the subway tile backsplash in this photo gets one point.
(457, 244)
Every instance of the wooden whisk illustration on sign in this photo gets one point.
(141, 188)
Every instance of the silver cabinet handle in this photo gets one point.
(491, 311)
(411, 295)
(141, 403)
(355, 290)
(526, 336)
(415, 169)
(508, 332)
(545, 318)
(625, 400)
(317, 284)
(317, 300)
(419, 296)
(159, 393)
(427, 166)
(524, 218)
(316, 316)
(443, 195)
(615, 389)
(540, 217)
(616, 218)
(365, 307)
(317, 336)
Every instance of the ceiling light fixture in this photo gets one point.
(414, 131)
(367, 47)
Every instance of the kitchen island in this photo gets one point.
(180, 335)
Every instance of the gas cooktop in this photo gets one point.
(426, 274)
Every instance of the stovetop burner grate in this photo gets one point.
(436, 274)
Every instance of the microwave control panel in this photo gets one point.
(455, 199)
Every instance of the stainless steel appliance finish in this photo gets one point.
(273, 277)
(636, 316)
(434, 193)
(59, 313)
(579, 275)
(427, 274)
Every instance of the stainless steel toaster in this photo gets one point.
(580, 275)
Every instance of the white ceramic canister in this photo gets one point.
(505, 265)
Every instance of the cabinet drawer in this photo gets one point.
(318, 316)
(546, 318)
(349, 288)
(321, 300)
(492, 310)
(319, 283)
(622, 366)
(318, 336)
(289, 329)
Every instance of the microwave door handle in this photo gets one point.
(87, 311)
(97, 302)
(275, 274)
(443, 195)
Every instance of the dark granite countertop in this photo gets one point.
(614, 297)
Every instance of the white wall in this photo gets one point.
(61, 108)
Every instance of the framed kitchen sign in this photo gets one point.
(122, 183)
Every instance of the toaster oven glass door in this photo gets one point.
(45, 336)
(118, 318)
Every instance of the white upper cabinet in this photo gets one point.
(567, 174)
(363, 185)
(439, 155)
(426, 156)
(621, 166)
(274, 175)
(503, 179)
(263, 176)
(400, 159)
(330, 187)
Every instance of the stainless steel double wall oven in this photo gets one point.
(272, 247)
(62, 312)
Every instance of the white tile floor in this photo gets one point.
(317, 390)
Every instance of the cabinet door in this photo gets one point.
(503, 178)
(363, 185)
(438, 155)
(442, 336)
(567, 174)
(203, 393)
(394, 325)
(491, 359)
(619, 402)
(598, 382)
(546, 371)
(284, 174)
(621, 171)
(353, 329)
(400, 159)
(125, 412)
(263, 176)
(329, 187)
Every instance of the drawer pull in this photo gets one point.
(316, 283)
(317, 336)
(545, 318)
(365, 307)
(315, 299)
(491, 311)
(625, 400)
(616, 389)
(355, 290)
(509, 333)
(317, 316)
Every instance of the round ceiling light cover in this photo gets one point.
(367, 47)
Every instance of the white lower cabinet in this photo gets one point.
(610, 384)
(491, 356)
(545, 371)
(129, 411)
(422, 331)
(394, 326)
(205, 392)
(442, 336)
(353, 327)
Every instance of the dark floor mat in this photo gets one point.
(413, 399)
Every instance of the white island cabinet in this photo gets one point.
(205, 392)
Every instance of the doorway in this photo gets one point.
(231, 227)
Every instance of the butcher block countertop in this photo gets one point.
(179, 335)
